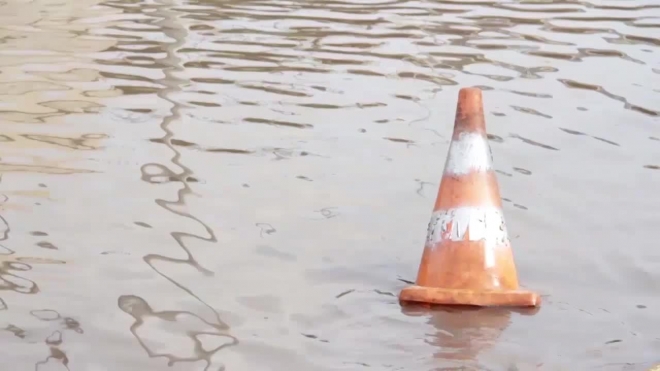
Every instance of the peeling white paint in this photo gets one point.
(482, 223)
(470, 152)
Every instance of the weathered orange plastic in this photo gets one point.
(458, 272)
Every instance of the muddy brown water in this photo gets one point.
(246, 185)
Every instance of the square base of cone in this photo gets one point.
(440, 296)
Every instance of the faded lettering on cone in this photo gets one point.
(475, 223)
(469, 224)
(470, 152)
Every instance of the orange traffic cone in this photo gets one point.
(467, 259)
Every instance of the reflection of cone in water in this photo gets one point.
(463, 335)
(467, 259)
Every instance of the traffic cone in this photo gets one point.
(467, 258)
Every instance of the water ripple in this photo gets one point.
(177, 175)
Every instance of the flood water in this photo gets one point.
(246, 185)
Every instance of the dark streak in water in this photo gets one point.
(364, 72)
(607, 141)
(424, 77)
(599, 89)
(275, 69)
(370, 105)
(229, 150)
(379, 292)
(174, 142)
(183, 143)
(522, 171)
(280, 91)
(495, 138)
(344, 293)
(574, 132)
(533, 95)
(256, 120)
(47, 245)
(204, 104)
(399, 140)
(208, 80)
(530, 111)
(319, 105)
(407, 97)
(555, 55)
(17, 331)
(137, 90)
(534, 143)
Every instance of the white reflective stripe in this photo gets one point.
(470, 152)
(482, 223)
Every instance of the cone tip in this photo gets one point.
(470, 92)
(470, 98)
(470, 111)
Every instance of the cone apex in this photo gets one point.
(470, 111)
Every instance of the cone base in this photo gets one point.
(440, 296)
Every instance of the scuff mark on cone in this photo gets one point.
(470, 152)
(468, 224)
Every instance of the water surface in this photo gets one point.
(246, 185)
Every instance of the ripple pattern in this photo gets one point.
(245, 185)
